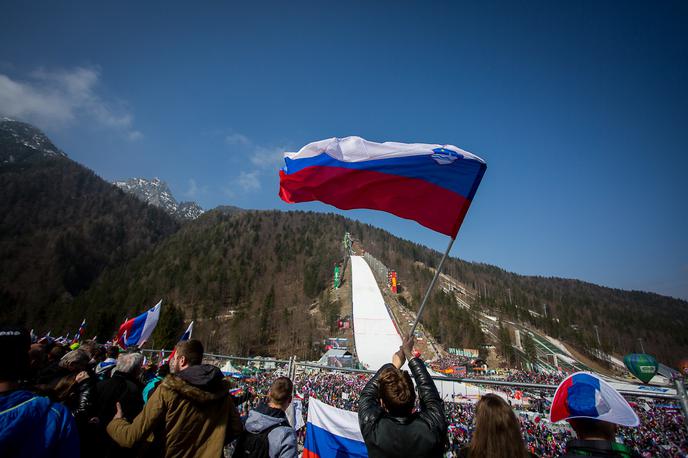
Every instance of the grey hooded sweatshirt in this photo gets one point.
(281, 440)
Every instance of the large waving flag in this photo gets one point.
(332, 432)
(430, 184)
(137, 330)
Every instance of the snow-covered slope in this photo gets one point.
(376, 337)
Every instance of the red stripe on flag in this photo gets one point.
(432, 206)
(309, 454)
(559, 409)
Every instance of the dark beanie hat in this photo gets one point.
(14, 352)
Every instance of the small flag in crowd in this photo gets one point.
(185, 336)
(295, 412)
(332, 432)
(137, 330)
(236, 392)
(80, 333)
(431, 184)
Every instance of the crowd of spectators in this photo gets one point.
(449, 362)
(90, 380)
(660, 434)
(542, 378)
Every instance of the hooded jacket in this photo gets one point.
(281, 440)
(421, 434)
(191, 413)
(32, 425)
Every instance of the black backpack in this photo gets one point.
(255, 445)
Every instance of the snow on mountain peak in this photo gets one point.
(156, 192)
(23, 142)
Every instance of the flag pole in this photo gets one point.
(432, 285)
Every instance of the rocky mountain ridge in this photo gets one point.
(23, 143)
(156, 192)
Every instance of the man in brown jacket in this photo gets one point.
(191, 412)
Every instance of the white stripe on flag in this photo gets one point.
(337, 421)
(151, 322)
(356, 149)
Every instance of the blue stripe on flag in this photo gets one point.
(459, 176)
(136, 329)
(581, 396)
(324, 443)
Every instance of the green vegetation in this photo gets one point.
(74, 246)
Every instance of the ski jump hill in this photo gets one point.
(377, 338)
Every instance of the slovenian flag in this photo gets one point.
(137, 330)
(82, 328)
(185, 336)
(332, 432)
(430, 184)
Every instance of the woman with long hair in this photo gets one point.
(497, 431)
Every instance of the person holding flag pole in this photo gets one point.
(431, 184)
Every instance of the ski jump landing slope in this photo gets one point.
(374, 331)
(375, 334)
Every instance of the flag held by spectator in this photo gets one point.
(431, 184)
(332, 432)
(80, 334)
(185, 336)
(137, 330)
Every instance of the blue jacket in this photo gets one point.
(32, 425)
(281, 440)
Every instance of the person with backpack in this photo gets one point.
(267, 432)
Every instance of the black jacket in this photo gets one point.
(123, 389)
(119, 388)
(598, 448)
(422, 434)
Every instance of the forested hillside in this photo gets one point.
(60, 226)
(256, 280)
(269, 269)
(568, 309)
(74, 246)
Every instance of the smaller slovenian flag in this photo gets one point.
(185, 336)
(332, 432)
(137, 330)
(80, 333)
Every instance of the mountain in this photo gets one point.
(156, 192)
(60, 226)
(258, 282)
(22, 143)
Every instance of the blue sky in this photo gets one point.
(579, 109)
